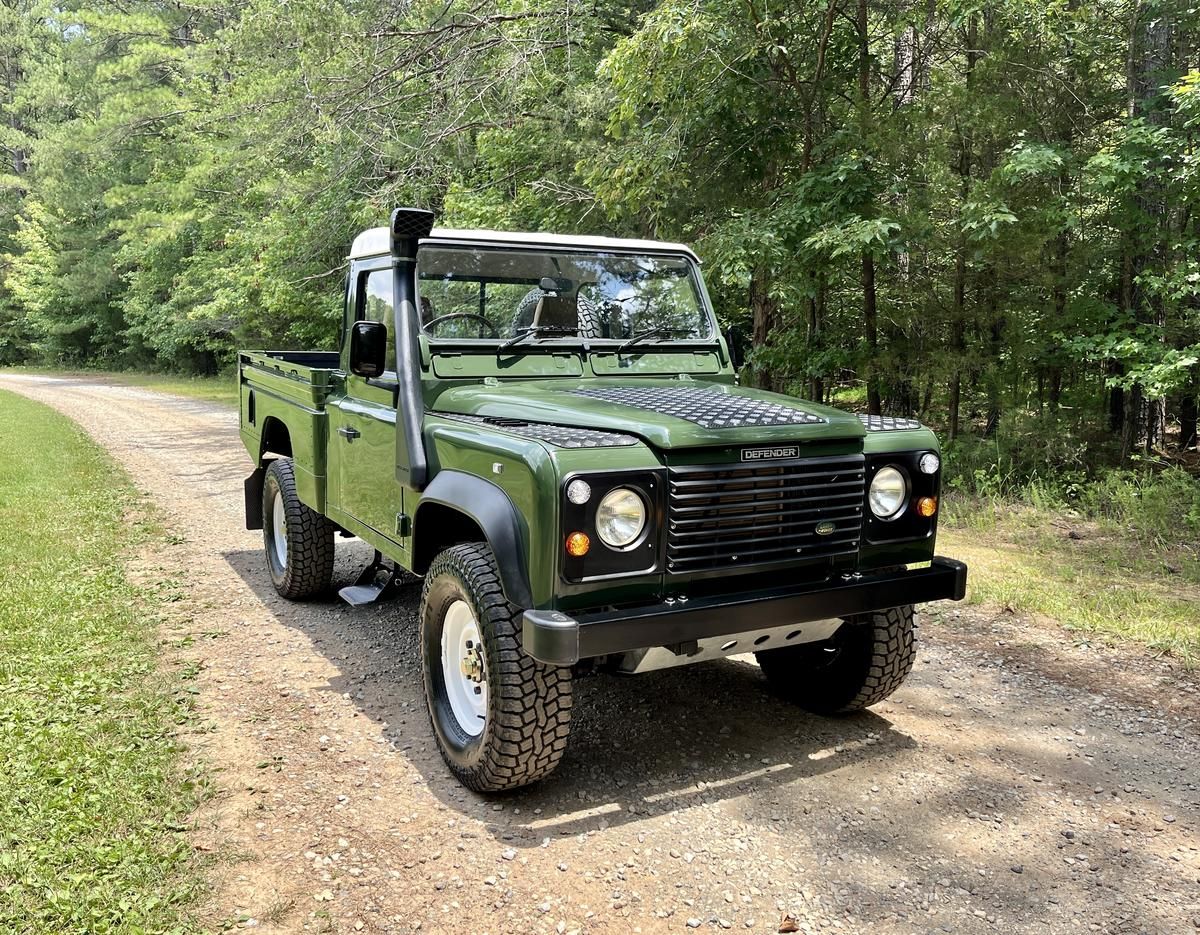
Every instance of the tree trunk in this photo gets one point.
(871, 324)
(1149, 64)
(1116, 400)
(995, 348)
(1189, 416)
(1131, 427)
(816, 311)
(958, 310)
(870, 312)
(765, 311)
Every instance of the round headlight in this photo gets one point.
(620, 517)
(888, 494)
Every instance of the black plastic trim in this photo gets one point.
(253, 489)
(408, 225)
(603, 562)
(907, 525)
(495, 514)
(555, 638)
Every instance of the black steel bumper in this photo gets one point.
(558, 639)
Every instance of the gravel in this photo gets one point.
(1016, 784)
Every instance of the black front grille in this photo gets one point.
(735, 517)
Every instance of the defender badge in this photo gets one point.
(766, 454)
(824, 528)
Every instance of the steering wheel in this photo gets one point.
(479, 318)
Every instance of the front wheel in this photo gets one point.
(298, 540)
(867, 659)
(501, 718)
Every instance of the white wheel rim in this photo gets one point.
(463, 668)
(279, 530)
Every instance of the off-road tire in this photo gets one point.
(310, 545)
(862, 664)
(528, 715)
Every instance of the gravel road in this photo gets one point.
(1017, 783)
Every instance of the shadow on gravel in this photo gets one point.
(640, 746)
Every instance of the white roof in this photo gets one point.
(375, 242)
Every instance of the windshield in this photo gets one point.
(498, 295)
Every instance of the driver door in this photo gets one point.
(362, 423)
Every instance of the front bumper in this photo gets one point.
(557, 639)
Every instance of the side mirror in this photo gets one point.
(368, 348)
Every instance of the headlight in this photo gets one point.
(620, 517)
(888, 494)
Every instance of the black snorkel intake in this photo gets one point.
(408, 226)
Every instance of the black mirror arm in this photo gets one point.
(735, 360)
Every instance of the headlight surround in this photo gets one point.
(888, 494)
(620, 518)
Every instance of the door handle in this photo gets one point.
(348, 432)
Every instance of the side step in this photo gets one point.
(378, 580)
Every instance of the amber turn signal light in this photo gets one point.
(927, 506)
(578, 544)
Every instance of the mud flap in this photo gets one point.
(253, 487)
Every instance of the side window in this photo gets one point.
(375, 304)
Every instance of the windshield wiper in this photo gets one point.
(652, 333)
(537, 331)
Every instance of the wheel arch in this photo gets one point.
(457, 507)
(276, 439)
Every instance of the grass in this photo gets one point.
(1106, 583)
(93, 800)
(221, 389)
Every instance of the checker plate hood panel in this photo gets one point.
(665, 413)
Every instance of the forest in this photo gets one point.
(982, 214)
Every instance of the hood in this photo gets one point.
(664, 413)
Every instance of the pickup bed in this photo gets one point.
(551, 431)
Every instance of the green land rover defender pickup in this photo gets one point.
(550, 430)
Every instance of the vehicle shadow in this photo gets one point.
(640, 746)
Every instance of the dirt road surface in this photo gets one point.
(1017, 783)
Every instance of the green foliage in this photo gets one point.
(954, 204)
(90, 821)
(1054, 465)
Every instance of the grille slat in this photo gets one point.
(847, 521)
(777, 542)
(741, 516)
(742, 488)
(784, 502)
(756, 479)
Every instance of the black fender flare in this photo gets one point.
(490, 508)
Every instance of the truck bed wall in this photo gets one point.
(285, 387)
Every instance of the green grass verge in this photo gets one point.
(1106, 583)
(223, 390)
(92, 799)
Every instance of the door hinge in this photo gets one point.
(403, 525)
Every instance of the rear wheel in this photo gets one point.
(298, 540)
(866, 660)
(501, 718)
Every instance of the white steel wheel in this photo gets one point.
(279, 528)
(464, 669)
